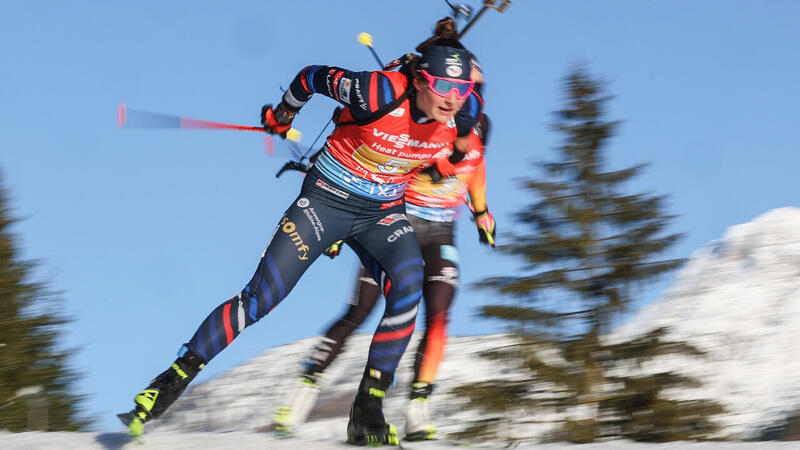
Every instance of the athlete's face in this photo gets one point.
(438, 108)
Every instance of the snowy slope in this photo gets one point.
(240, 441)
(738, 298)
(243, 398)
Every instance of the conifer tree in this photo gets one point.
(36, 386)
(587, 247)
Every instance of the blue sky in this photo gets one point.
(145, 231)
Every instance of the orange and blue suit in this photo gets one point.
(431, 208)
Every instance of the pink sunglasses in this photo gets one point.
(443, 86)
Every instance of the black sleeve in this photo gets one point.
(362, 92)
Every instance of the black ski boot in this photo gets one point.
(162, 392)
(367, 425)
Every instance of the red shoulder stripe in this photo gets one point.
(373, 92)
(398, 90)
(303, 81)
(336, 79)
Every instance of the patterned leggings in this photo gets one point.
(441, 278)
(321, 215)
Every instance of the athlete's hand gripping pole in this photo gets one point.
(132, 118)
(487, 229)
(271, 118)
(277, 120)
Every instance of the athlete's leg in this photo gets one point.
(363, 301)
(397, 268)
(307, 227)
(294, 246)
(298, 405)
(441, 279)
(390, 253)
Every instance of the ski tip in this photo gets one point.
(126, 418)
(365, 39)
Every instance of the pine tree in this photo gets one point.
(587, 248)
(36, 386)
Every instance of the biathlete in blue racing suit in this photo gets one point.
(392, 123)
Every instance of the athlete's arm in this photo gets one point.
(484, 220)
(476, 187)
(362, 92)
(467, 116)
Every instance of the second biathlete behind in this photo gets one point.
(431, 208)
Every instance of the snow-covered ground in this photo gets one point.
(239, 440)
(244, 398)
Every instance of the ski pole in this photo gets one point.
(366, 39)
(461, 9)
(499, 5)
(299, 165)
(133, 118)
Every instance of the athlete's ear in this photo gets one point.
(419, 83)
